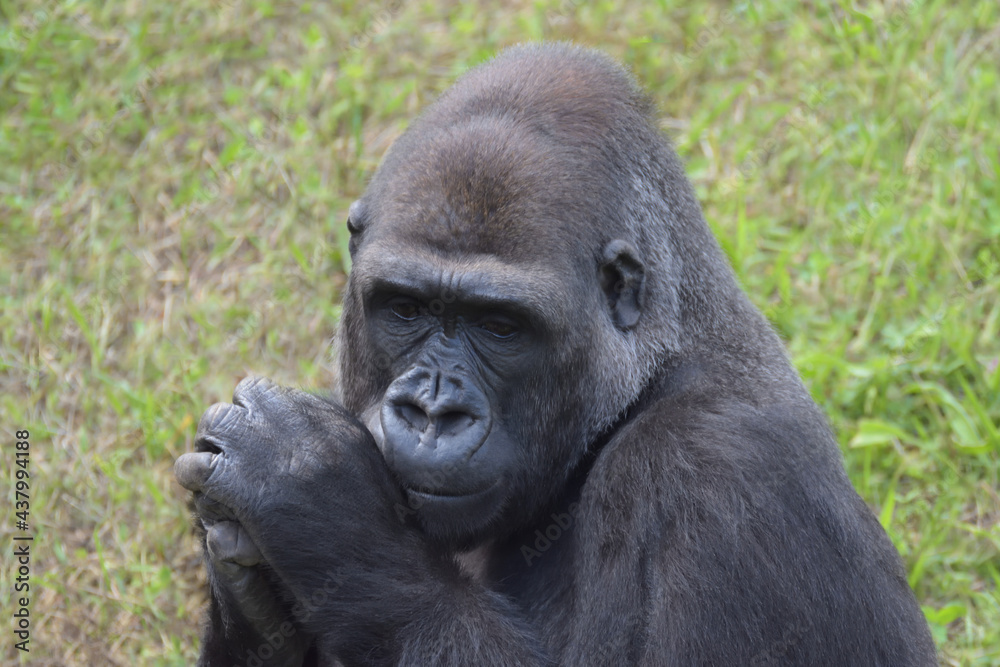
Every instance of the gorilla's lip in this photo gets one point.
(446, 495)
(452, 518)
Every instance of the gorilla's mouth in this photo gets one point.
(448, 511)
(445, 494)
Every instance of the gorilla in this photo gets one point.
(561, 433)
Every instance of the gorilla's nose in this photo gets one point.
(438, 420)
(431, 420)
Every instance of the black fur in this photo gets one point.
(589, 447)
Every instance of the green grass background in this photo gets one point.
(174, 180)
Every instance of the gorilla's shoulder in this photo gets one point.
(688, 446)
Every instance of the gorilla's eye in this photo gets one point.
(499, 328)
(406, 310)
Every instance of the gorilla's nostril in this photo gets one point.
(412, 415)
(453, 423)
(207, 444)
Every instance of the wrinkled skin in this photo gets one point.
(561, 433)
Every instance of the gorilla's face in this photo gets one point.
(462, 343)
(477, 304)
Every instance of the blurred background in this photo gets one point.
(175, 177)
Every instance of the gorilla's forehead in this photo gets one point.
(490, 186)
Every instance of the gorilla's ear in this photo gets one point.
(355, 224)
(622, 279)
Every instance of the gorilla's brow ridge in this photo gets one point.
(485, 281)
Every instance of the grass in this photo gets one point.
(174, 179)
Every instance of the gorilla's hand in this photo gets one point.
(290, 479)
(252, 605)
(257, 622)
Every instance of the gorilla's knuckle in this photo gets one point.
(219, 424)
(251, 390)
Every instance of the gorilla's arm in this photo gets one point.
(245, 621)
(306, 485)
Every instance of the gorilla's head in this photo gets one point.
(516, 284)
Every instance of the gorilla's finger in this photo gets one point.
(228, 542)
(193, 470)
(220, 419)
(211, 510)
(250, 390)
